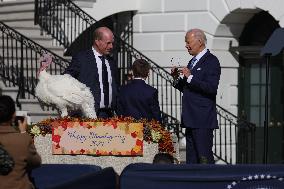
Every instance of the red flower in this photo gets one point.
(56, 138)
(82, 151)
(139, 142)
(134, 135)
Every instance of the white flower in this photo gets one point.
(35, 130)
(156, 135)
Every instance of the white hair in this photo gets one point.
(198, 34)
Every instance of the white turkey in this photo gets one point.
(63, 91)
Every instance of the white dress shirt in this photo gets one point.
(99, 66)
(198, 57)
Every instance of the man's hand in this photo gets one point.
(186, 72)
(175, 72)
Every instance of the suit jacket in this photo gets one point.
(139, 100)
(21, 148)
(84, 68)
(199, 96)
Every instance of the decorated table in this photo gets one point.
(115, 142)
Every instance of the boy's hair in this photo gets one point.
(163, 158)
(7, 108)
(140, 68)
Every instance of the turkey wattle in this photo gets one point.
(64, 91)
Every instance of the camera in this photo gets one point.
(17, 118)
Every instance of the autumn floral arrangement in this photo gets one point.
(153, 131)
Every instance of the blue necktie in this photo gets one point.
(192, 62)
(105, 81)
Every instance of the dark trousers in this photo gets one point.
(105, 113)
(199, 143)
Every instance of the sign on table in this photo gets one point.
(97, 138)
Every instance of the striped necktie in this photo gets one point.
(192, 62)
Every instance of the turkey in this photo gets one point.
(63, 91)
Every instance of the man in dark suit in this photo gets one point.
(199, 84)
(95, 68)
(138, 99)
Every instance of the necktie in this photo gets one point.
(192, 63)
(105, 82)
